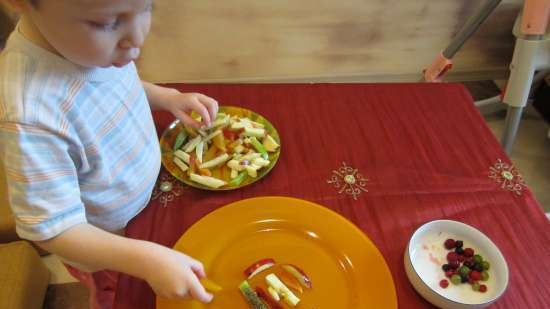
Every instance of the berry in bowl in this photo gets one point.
(455, 266)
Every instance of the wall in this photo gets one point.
(324, 40)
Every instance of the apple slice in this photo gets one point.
(289, 297)
(258, 266)
(298, 274)
(251, 297)
(267, 298)
(291, 282)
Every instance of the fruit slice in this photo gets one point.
(298, 274)
(207, 181)
(273, 293)
(271, 302)
(210, 285)
(270, 144)
(216, 161)
(251, 297)
(258, 266)
(289, 297)
(291, 282)
(184, 156)
(180, 164)
(180, 139)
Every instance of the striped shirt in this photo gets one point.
(78, 144)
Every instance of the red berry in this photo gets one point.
(470, 280)
(444, 283)
(454, 264)
(475, 275)
(449, 244)
(468, 252)
(452, 256)
(483, 288)
(449, 273)
(461, 258)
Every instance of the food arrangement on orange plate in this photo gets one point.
(268, 284)
(233, 150)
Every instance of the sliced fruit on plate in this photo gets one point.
(290, 298)
(271, 302)
(216, 161)
(251, 297)
(298, 274)
(184, 156)
(256, 132)
(273, 293)
(270, 144)
(207, 181)
(180, 139)
(180, 164)
(291, 282)
(258, 266)
(190, 146)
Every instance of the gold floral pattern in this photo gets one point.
(507, 176)
(348, 180)
(166, 189)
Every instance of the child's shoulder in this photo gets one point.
(25, 88)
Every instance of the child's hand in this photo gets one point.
(182, 104)
(176, 275)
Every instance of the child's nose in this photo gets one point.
(133, 39)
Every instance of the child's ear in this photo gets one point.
(20, 6)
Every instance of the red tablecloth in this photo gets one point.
(426, 152)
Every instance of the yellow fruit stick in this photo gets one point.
(210, 285)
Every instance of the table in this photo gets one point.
(425, 151)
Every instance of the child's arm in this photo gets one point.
(182, 104)
(170, 273)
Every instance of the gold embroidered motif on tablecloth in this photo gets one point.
(507, 176)
(166, 189)
(348, 180)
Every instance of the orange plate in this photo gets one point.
(345, 267)
(169, 136)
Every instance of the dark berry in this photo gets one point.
(482, 288)
(468, 252)
(478, 267)
(446, 267)
(444, 283)
(452, 256)
(449, 244)
(454, 264)
(464, 279)
(459, 250)
(459, 243)
(469, 263)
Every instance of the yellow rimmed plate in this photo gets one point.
(346, 269)
(169, 136)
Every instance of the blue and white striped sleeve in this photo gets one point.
(42, 181)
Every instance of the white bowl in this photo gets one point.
(425, 255)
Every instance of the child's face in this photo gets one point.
(94, 33)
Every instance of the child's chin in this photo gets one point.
(121, 64)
